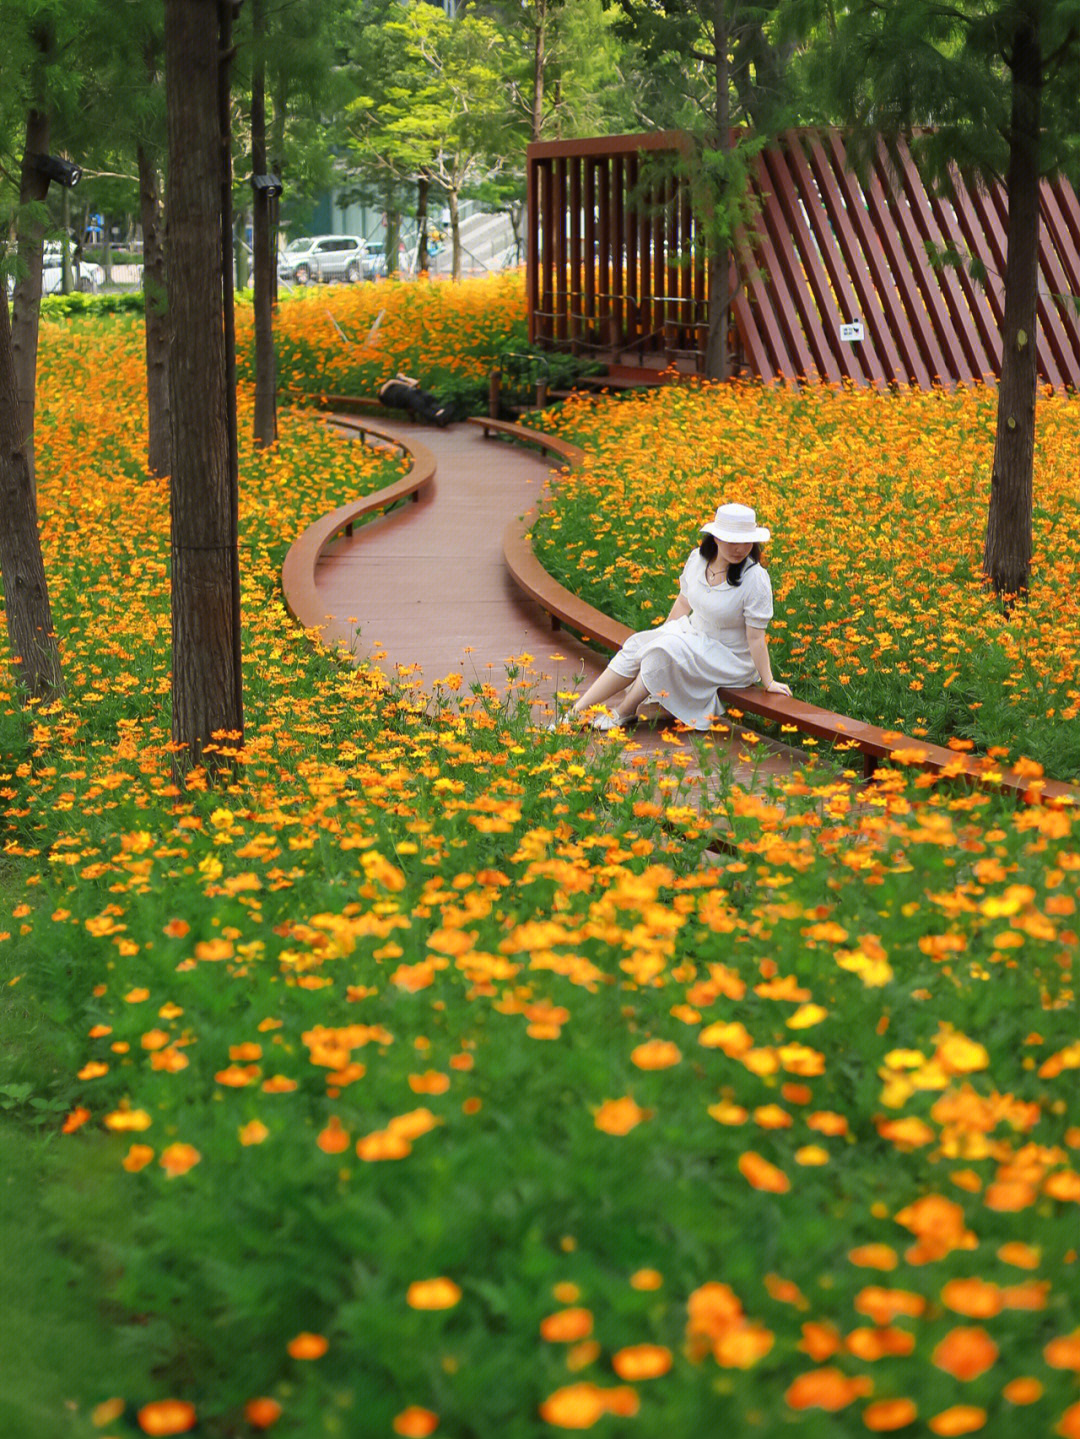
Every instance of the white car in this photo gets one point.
(322, 257)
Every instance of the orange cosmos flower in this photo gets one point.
(826, 1389)
(254, 1132)
(262, 1413)
(177, 1159)
(742, 1345)
(382, 1145)
(820, 1341)
(415, 1423)
(75, 1120)
(566, 1293)
(656, 1054)
(883, 1305)
(1023, 1390)
(877, 1343)
(1068, 1425)
(167, 1416)
(888, 1414)
(785, 1291)
(641, 1361)
(965, 1353)
(619, 1116)
(137, 1157)
(333, 1139)
(307, 1346)
(566, 1325)
(438, 1293)
(760, 1174)
(646, 1279)
(1064, 1352)
(579, 1406)
(974, 1298)
(874, 1256)
(430, 1082)
(960, 1419)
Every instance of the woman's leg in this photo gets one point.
(627, 707)
(602, 688)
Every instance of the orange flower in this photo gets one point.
(430, 1082)
(656, 1054)
(1068, 1426)
(254, 1132)
(177, 1159)
(262, 1413)
(579, 1406)
(785, 1291)
(619, 1116)
(566, 1325)
(965, 1353)
(646, 1279)
(75, 1120)
(974, 1298)
(334, 1139)
(826, 1389)
(308, 1346)
(167, 1416)
(382, 1145)
(876, 1343)
(441, 1293)
(874, 1256)
(137, 1157)
(888, 1414)
(960, 1419)
(883, 1305)
(415, 1423)
(641, 1361)
(820, 1341)
(1064, 1352)
(760, 1174)
(1023, 1390)
(742, 1345)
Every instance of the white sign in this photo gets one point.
(851, 332)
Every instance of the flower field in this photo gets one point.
(877, 505)
(427, 1077)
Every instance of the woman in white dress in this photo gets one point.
(714, 634)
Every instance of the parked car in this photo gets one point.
(322, 258)
(85, 275)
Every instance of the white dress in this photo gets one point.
(682, 661)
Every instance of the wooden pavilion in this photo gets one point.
(837, 283)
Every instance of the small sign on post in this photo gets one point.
(852, 332)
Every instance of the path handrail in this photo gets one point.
(301, 594)
(873, 742)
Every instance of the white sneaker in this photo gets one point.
(605, 722)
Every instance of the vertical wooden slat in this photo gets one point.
(574, 266)
(659, 284)
(559, 219)
(618, 257)
(1053, 272)
(630, 240)
(548, 264)
(1063, 269)
(795, 359)
(644, 260)
(979, 220)
(603, 257)
(533, 222)
(843, 200)
(588, 200)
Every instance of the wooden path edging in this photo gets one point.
(298, 571)
(874, 743)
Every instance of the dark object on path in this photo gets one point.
(404, 393)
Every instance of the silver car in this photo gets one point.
(322, 258)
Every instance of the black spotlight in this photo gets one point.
(58, 169)
(268, 185)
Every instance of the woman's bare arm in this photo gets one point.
(678, 609)
(759, 651)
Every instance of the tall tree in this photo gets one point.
(998, 83)
(714, 69)
(26, 595)
(206, 681)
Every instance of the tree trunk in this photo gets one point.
(67, 279)
(26, 596)
(716, 352)
(455, 233)
(393, 226)
(423, 185)
(265, 426)
(156, 313)
(1007, 552)
(26, 309)
(243, 268)
(539, 64)
(205, 617)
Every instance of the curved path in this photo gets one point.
(424, 591)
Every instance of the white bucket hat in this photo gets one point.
(737, 524)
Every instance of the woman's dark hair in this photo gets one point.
(709, 549)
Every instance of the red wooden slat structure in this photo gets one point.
(617, 267)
